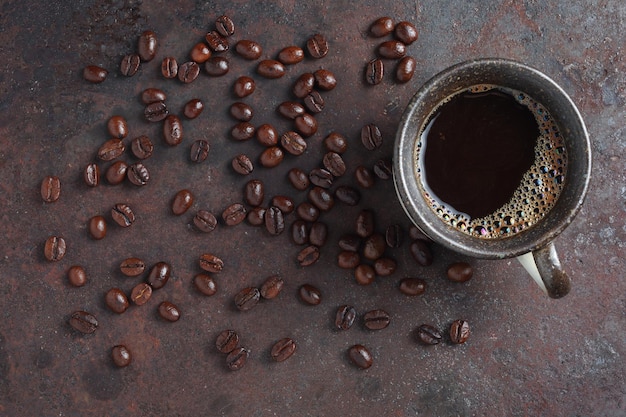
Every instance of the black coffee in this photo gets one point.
(491, 160)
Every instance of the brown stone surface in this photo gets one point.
(527, 354)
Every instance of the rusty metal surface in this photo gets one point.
(527, 355)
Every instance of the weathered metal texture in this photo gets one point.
(527, 354)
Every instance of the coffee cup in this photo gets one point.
(463, 137)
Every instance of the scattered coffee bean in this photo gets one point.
(308, 256)
(211, 263)
(321, 178)
(147, 45)
(155, 112)
(405, 32)
(152, 95)
(193, 108)
(121, 356)
(271, 157)
(123, 215)
(130, 65)
(336, 142)
(271, 287)
(345, 316)
(237, 358)
(392, 49)
(256, 216)
(248, 49)
(117, 127)
(394, 236)
(116, 300)
(77, 276)
(283, 349)
(306, 124)
(376, 319)
(216, 66)
(293, 143)
(291, 55)
(267, 135)
(314, 102)
(364, 274)
(371, 137)
(95, 74)
(405, 69)
(348, 259)
(50, 189)
(317, 46)
(321, 198)
(169, 311)
(364, 177)
(310, 294)
(460, 272)
(325, 79)
(318, 234)
(234, 214)
(360, 356)
(459, 331)
(205, 284)
(182, 202)
(299, 232)
(298, 179)
(132, 267)
(169, 67)
(138, 174)
(291, 109)
(384, 267)
(159, 275)
(172, 130)
(421, 252)
(349, 242)
(412, 286)
(304, 85)
(91, 175)
(274, 221)
(141, 293)
(200, 53)
(374, 71)
(365, 223)
(244, 86)
(247, 298)
(97, 227)
(227, 341)
(241, 111)
(334, 163)
(307, 211)
(242, 131)
(188, 72)
(428, 334)
(199, 151)
(116, 172)
(205, 221)
(83, 321)
(382, 26)
(284, 203)
(225, 26)
(254, 192)
(242, 164)
(111, 149)
(216, 42)
(383, 169)
(55, 248)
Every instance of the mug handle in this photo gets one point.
(544, 266)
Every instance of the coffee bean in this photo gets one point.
(348, 259)
(254, 192)
(141, 293)
(376, 319)
(405, 69)
(365, 223)
(460, 272)
(459, 331)
(421, 252)
(344, 317)
(147, 45)
(307, 211)
(274, 221)
(217, 66)
(371, 137)
(290, 109)
(384, 266)
(336, 142)
(242, 131)
(172, 130)
(348, 195)
(405, 32)
(308, 256)
(299, 232)
(188, 72)
(318, 234)
(130, 65)
(83, 321)
(283, 349)
(55, 248)
(95, 74)
(132, 267)
(169, 67)
(271, 287)
(242, 164)
(111, 149)
(97, 227)
(394, 236)
(244, 86)
(310, 294)
(317, 46)
(374, 71)
(200, 53)
(50, 189)
(334, 163)
(248, 49)
(298, 179)
(159, 275)
(169, 311)
(247, 298)
(77, 276)
(205, 284)
(138, 174)
(256, 216)
(293, 143)
(271, 157)
(325, 79)
(225, 26)
(216, 42)
(364, 274)
(321, 198)
(428, 334)
(291, 55)
(205, 221)
(152, 95)
(91, 175)
(360, 356)
(237, 358)
(199, 151)
(383, 169)
(117, 127)
(267, 135)
(284, 203)
(182, 202)
(241, 111)
(364, 177)
(121, 356)
(392, 49)
(382, 26)
(155, 112)
(321, 178)
(349, 242)
(193, 108)
(123, 215)
(306, 124)
(227, 341)
(211, 263)
(412, 286)
(303, 85)
(116, 172)
(116, 300)
(234, 214)
(314, 102)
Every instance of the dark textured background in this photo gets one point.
(527, 355)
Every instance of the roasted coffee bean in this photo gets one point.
(91, 175)
(254, 192)
(50, 188)
(267, 135)
(348, 195)
(95, 74)
(271, 287)
(205, 284)
(256, 216)
(55, 248)
(159, 274)
(182, 201)
(317, 46)
(283, 349)
(344, 317)
(188, 72)
(130, 65)
(371, 137)
(216, 42)
(306, 124)
(364, 274)
(117, 127)
(205, 221)
(382, 26)
(307, 211)
(141, 293)
(199, 151)
(172, 130)
(299, 232)
(412, 286)
(308, 256)
(121, 356)
(349, 242)
(325, 79)
(111, 149)
(211, 263)
(334, 163)
(298, 179)
(291, 55)
(394, 236)
(216, 66)
(242, 131)
(76, 276)
(123, 215)
(227, 341)
(132, 267)
(84, 322)
(138, 174)
(376, 319)
(142, 147)
(405, 69)
(428, 334)
(225, 26)
(365, 223)
(237, 358)
(364, 177)
(169, 311)
(421, 252)
(460, 272)
(242, 164)
(459, 331)
(348, 259)
(291, 109)
(405, 32)
(234, 214)
(384, 266)
(169, 67)
(116, 172)
(152, 95)
(193, 108)
(321, 198)
(360, 356)
(374, 71)
(284, 203)
(241, 111)
(147, 45)
(244, 86)
(200, 53)
(97, 227)
(248, 49)
(314, 102)
(293, 143)
(155, 112)
(247, 298)
(271, 157)
(392, 49)
(310, 295)
(336, 142)
(383, 169)
(116, 300)
(321, 178)
(318, 234)
(304, 85)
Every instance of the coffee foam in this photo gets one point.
(537, 193)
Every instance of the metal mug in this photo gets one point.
(534, 247)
